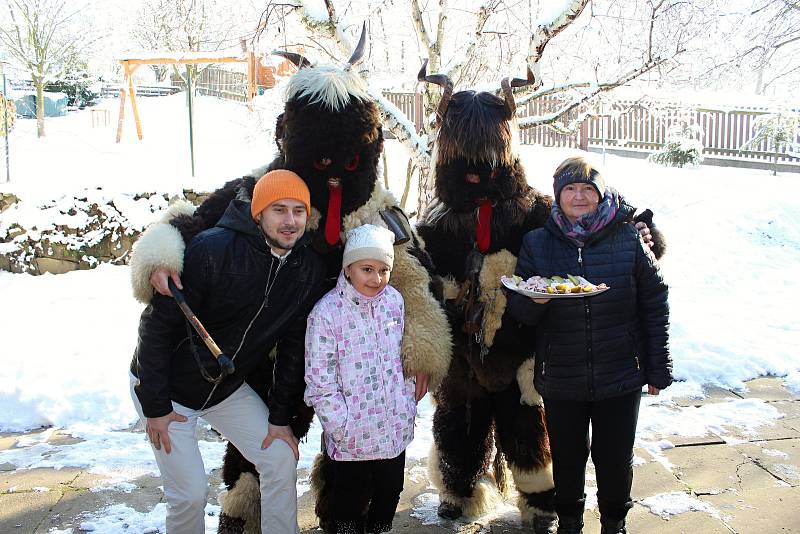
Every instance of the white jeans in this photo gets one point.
(242, 419)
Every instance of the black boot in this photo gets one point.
(570, 524)
(612, 526)
(544, 524)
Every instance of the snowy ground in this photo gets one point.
(734, 242)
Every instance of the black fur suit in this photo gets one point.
(473, 231)
(330, 135)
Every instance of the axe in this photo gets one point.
(225, 363)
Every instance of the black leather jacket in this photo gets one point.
(603, 346)
(231, 278)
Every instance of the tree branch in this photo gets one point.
(551, 118)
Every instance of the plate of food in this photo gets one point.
(554, 287)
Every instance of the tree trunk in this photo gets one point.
(39, 83)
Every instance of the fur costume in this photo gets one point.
(330, 135)
(473, 231)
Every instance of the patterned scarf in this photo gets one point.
(588, 224)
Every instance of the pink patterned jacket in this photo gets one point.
(354, 374)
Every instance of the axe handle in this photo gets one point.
(198, 326)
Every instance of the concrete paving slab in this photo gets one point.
(27, 479)
(768, 512)
(716, 468)
(653, 478)
(789, 408)
(780, 457)
(767, 389)
(641, 519)
(713, 394)
(7, 442)
(778, 429)
(23, 512)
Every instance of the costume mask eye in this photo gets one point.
(352, 165)
(322, 164)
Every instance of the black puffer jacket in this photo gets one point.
(603, 346)
(229, 274)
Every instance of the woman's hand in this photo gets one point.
(159, 281)
(652, 390)
(540, 301)
(647, 237)
(421, 387)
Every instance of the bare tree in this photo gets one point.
(40, 36)
(775, 41)
(188, 26)
(474, 56)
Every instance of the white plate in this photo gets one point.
(509, 283)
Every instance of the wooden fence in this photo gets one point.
(632, 128)
(723, 133)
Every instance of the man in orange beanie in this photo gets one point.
(252, 280)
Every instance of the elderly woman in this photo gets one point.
(594, 354)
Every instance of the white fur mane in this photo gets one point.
(327, 85)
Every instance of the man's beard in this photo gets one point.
(275, 244)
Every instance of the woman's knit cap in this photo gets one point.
(369, 242)
(577, 170)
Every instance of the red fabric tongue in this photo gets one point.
(483, 232)
(333, 220)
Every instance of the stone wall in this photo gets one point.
(77, 232)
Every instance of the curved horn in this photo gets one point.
(358, 53)
(508, 88)
(439, 79)
(298, 60)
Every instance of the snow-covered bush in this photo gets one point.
(776, 133)
(75, 231)
(682, 146)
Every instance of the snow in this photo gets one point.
(734, 242)
(676, 502)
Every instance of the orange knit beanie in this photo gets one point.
(276, 185)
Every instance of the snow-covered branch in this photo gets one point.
(551, 118)
(327, 24)
(454, 70)
(403, 129)
(419, 25)
(549, 29)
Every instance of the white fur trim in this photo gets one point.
(243, 500)
(328, 86)
(161, 246)
(533, 480)
(492, 294)
(525, 374)
(179, 207)
(528, 513)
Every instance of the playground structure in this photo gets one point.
(130, 64)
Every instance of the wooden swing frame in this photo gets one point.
(129, 66)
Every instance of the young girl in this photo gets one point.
(355, 383)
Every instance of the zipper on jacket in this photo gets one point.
(636, 359)
(264, 303)
(580, 257)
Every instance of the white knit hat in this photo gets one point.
(369, 242)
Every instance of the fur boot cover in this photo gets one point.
(485, 498)
(237, 502)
